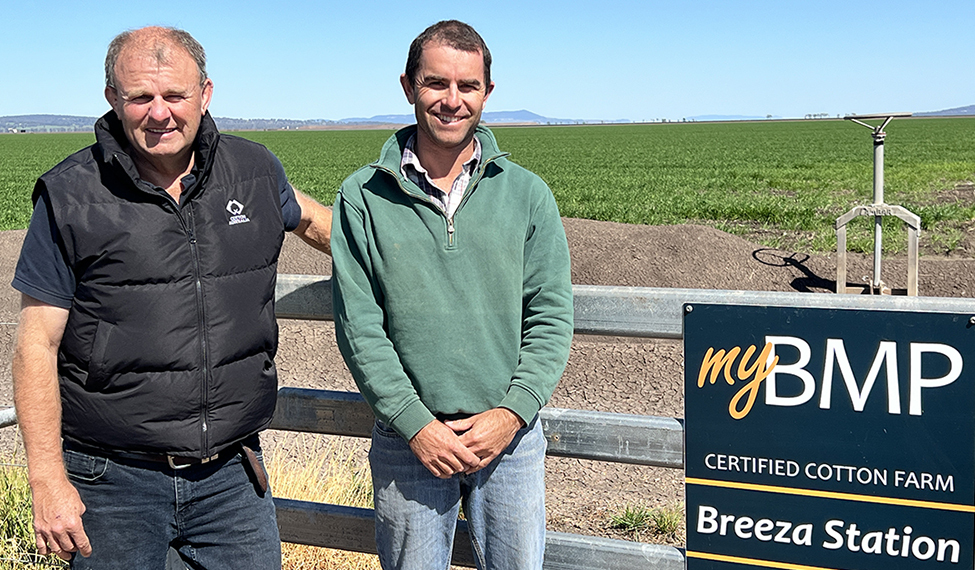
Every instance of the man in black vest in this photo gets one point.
(143, 368)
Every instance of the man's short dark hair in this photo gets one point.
(453, 34)
(160, 37)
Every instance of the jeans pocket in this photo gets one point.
(83, 467)
(384, 430)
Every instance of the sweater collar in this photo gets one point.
(392, 153)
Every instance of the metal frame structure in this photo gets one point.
(642, 440)
(648, 312)
(622, 438)
(878, 210)
(601, 436)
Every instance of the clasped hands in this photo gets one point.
(467, 445)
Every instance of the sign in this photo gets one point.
(828, 438)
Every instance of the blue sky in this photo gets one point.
(604, 60)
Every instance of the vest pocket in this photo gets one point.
(98, 372)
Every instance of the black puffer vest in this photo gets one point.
(171, 336)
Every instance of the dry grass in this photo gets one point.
(301, 466)
(17, 548)
(324, 470)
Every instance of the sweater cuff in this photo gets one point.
(521, 402)
(411, 420)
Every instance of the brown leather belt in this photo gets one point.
(174, 461)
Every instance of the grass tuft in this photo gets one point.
(641, 521)
(668, 520)
(632, 519)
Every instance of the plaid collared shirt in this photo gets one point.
(447, 202)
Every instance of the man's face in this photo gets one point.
(160, 104)
(448, 96)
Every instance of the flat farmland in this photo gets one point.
(739, 177)
(778, 183)
(24, 157)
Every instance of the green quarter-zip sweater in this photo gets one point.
(443, 316)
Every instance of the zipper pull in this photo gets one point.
(450, 231)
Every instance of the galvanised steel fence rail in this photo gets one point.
(636, 311)
(8, 417)
(621, 438)
(644, 440)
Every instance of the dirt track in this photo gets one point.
(607, 374)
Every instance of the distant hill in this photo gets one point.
(71, 123)
(728, 118)
(230, 124)
(46, 123)
(969, 110)
(68, 123)
(490, 117)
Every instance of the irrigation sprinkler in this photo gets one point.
(878, 210)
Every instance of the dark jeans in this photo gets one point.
(211, 514)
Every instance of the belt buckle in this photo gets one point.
(172, 463)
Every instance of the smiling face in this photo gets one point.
(448, 96)
(160, 102)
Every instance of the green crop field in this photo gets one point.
(24, 157)
(777, 183)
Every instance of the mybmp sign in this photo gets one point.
(827, 438)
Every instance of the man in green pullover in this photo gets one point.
(453, 310)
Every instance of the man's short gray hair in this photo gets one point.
(158, 40)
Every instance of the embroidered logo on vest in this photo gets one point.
(236, 217)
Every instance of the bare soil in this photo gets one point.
(634, 376)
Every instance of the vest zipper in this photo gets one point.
(201, 322)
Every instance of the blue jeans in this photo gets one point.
(416, 513)
(136, 511)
